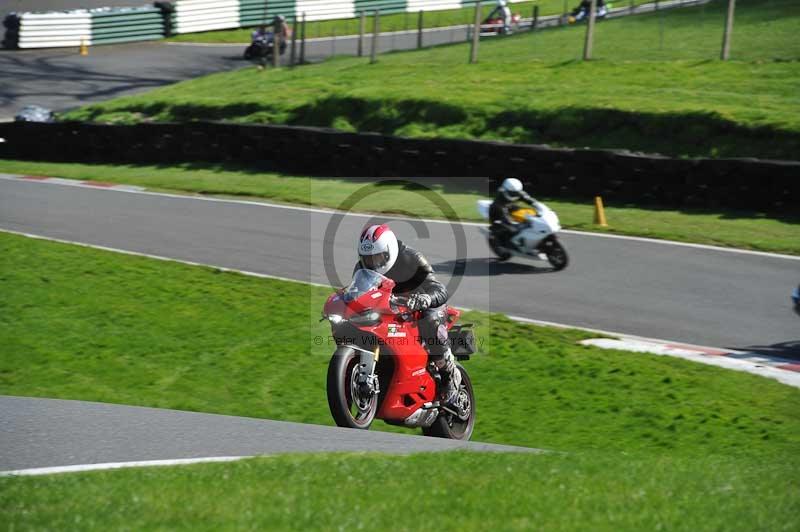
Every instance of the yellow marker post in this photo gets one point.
(84, 50)
(599, 212)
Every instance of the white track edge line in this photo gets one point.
(160, 257)
(190, 196)
(117, 465)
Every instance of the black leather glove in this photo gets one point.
(419, 301)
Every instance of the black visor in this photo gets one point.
(373, 262)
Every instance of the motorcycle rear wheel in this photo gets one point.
(501, 252)
(451, 427)
(347, 407)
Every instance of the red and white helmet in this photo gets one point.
(377, 248)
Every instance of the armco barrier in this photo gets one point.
(165, 18)
(770, 186)
(126, 25)
(252, 12)
(92, 26)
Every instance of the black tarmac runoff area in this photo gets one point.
(38, 433)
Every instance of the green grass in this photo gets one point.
(78, 323)
(656, 86)
(388, 23)
(453, 491)
(651, 442)
(750, 230)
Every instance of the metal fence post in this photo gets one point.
(535, 17)
(476, 34)
(726, 37)
(376, 26)
(361, 29)
(293, 52)
(419, 30)
(303, 40)
(587, 45)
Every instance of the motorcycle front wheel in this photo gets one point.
(452, 427)
(556, 254)
(349, 407)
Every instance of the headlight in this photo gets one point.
(334, 318)
(366, 318)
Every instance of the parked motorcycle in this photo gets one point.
(381, 370)
(536, 239)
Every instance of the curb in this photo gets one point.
(783, 370)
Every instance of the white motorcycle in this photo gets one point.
(536, 238)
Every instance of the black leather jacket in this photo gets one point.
(413, 273)
(500, 211)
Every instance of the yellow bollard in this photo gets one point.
(599, 212)
(84, 50)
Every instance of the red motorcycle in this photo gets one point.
(380, 368)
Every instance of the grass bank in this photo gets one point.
(652, 442)
(79, 323)
(654, 87)
(438, 491)
(749, 230)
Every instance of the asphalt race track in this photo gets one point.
(52, 432)
(678, 293)
(60, 79)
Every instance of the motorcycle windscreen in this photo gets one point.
(363, 281)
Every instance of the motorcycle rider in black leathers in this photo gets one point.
(503, 226)
(582, 11)
(380, 250)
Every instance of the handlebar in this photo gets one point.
(406, 313)
(399, 300)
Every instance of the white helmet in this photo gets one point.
(377, 248)
(501, 3)
(511, 189)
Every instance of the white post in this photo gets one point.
(587, 45)
(726, 37)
